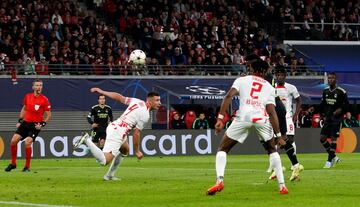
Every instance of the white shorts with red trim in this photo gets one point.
(290, 126)
(239, 130)
(116, 135)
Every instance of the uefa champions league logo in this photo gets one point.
(206, 90)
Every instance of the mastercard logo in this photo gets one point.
(347, 141)
(1, 147)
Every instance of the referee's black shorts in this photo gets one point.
(27, 129)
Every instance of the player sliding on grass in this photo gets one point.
(116, 147)
(257, 110)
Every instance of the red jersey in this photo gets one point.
(35, 107)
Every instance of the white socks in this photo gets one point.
(96, 152)
(115, 164)
(220, 164)
(275, 163)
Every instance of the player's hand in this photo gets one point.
(38, 126)
(95, 90)
(281, 141)
(17, 125)
(337, 112)
(218, 126)
(94, 125)
(139, 155)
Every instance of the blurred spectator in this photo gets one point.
(189, 118)
(349, 121)
(29, 67)
(178, 58)
(201, 122)
(316, 121)
(210, 116)
(153, 67)
(177, 122)
(42, 67)
(306, 118)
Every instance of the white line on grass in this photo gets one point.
(29, 204)
(203, 169)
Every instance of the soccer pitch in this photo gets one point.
(180, 181)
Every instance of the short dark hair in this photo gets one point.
(259, 66)
(280, 69)
(37, 80)
(332, 73)
(101, 95)
(152, 94)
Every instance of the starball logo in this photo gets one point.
(2, 147)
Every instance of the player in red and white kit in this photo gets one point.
(287, 93)
(30, 123)
(116, 147)
(257, 110)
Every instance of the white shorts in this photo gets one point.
(290, 126)
(115, 137)
(239, 130)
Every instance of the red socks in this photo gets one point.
(28, 151)
(13, 149)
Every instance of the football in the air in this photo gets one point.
(137, 57)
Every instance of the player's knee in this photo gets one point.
(322, 139)
(15, 139)
(269, 147)
(28, 142)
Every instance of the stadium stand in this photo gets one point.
(96, 38)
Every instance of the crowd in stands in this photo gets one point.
(206, 119)
(57, 37)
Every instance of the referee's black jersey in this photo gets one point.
(333, 100)
(102, 115)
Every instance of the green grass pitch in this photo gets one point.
(180, 181)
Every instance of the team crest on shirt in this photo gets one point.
(36, 107)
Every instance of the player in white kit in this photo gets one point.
(287, 93)
(257, 110)
(116, 146)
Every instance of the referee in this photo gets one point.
(102, 115)
(30, 123)
(333, 105)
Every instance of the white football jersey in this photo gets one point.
(254, 94)
(136, 115)
(287, 93)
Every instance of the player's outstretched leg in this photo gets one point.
(95, 151)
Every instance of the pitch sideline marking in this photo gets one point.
(30, 204)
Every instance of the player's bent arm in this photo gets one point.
(112, 95)
(270, 109)
(136, 141)
(227, 100)
(22, 112)
(298, 108)
(47, 116)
